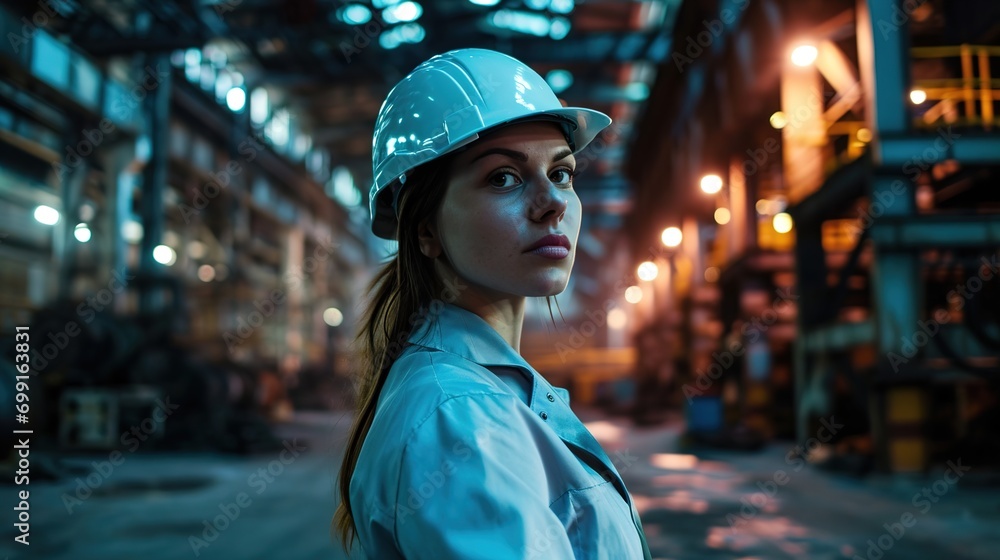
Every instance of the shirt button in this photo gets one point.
(550, 397)
(544, 415)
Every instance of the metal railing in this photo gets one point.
(974, 92)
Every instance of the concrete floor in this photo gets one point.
(156, 506)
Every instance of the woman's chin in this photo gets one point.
(548, 285)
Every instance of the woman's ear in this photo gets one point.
(427, 237)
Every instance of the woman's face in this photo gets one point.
(508, 191)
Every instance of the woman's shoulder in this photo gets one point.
(429, 372)
(426, 385)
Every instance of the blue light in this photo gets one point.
(236, 99)
(636, 91)
(396, 36)
(523, 22)
(561, 6)
(559, 28)
(559, 80)
(412, 33)
(355, 14)
(389, 41)
(403, 12)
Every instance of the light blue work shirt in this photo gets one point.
(474, 455)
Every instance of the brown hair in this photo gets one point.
(399, 290)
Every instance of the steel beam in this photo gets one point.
(839, 336)
(916, 153)
(920, 232)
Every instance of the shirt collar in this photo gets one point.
(450, 328)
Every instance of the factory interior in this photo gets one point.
(783, 319)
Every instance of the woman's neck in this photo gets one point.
(506, 316)
(503, 312)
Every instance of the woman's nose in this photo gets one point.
(548, 203)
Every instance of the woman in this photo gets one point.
(460, 448)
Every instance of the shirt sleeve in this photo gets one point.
(473, 485)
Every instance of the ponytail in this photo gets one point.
(400, 290)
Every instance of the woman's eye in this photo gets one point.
(504, 179)
(562, 177)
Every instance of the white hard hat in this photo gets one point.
(445, 103)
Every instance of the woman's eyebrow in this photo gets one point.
(562, 154)
(503, 151)
(519, 156)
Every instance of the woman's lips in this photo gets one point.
(549, 242)
(555, 252)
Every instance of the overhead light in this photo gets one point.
(223, 84)
(379, 4)
(559, 28)
(47, 215)
(529, 23)
(561, 6)
(333, 317)
(403, 12)
(722, 216)
(171, 238)
(617, 318)
(412, 33)
(132, 231)
(559, 80)
(485, 2)
(192, 57)
(344, 189)
(407, 33)
(647, 271)
(236, 99)
(633, 294)
(207, 77)
(82, 233)
(196, 249)
(388, 41)
(782, 222)
(771, 206)
(804, 55)
(672, 236)
(636, 91)
(206, 273)
(164, 254)
(536, 4)
(918, 96)
(177, 58)
(778, 120)
(217, 56)
(260, 109)
(354, 14)
(711, 184)
(192, 65)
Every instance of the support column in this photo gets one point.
(883, 55)
(156, 107)
(810, 271)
